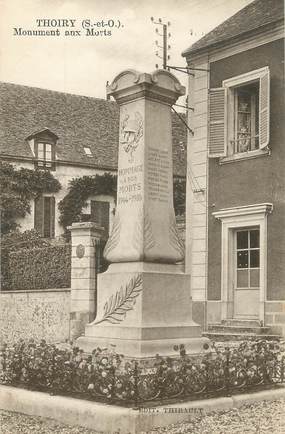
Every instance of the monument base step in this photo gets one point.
(235, 329)
(240, 322)
(227, 337)
(143, 349)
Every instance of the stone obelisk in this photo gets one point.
(144, 303)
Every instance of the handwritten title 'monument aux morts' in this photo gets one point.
(70, 27)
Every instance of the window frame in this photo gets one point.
(249, 249)
(230, 85)
(44, 163)
(253, 116)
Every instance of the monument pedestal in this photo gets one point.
(143, 311)
(144, 301)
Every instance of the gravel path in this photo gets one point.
(259, 418)
(17, 423)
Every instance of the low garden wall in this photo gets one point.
(35, 314)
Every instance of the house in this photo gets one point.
(72, 136)
(235, 237)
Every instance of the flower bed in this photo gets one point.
(107, 376)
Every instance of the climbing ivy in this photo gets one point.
(17, 188)
(79, 190)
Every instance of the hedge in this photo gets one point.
(12, 242)
(40, 268)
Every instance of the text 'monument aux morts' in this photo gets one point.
(70, 27)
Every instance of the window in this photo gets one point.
(44, 155)
(247, 261)
(239, 116)
(42, 145)
(45, 216)
(87, 151)
(246, 128)
(100, 214)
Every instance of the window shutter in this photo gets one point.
(52, 217)
(39, 215)
(264, 100)
(53, 157)
(100, 213)
(217, 124)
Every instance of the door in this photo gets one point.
(247, 273)
(100, 212)
(45, 216)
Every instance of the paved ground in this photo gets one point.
(260, 418)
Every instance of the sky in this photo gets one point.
(81, 63)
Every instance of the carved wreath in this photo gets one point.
(131, 133)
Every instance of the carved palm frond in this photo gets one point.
(137, 240)
(148, 233)
(117, 306)
(143, 233)
(114, 238)
(174, 237)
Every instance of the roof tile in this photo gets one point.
(257, 14)
(78, 121)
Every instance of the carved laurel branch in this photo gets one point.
(116, 308)
(174, 237)
(114, 239)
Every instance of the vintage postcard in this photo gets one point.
(142, 212)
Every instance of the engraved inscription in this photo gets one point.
(130, 184)
(158, 169)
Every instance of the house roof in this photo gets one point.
(255, 16)
(78, 121)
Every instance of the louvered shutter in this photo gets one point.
(217, 123)
(100, 213)
(52, 217)
(264, 100)
(39, 215)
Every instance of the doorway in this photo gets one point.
(246, 272)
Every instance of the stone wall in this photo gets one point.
(42, 314)
(275, 316)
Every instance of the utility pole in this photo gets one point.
(164, 47)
